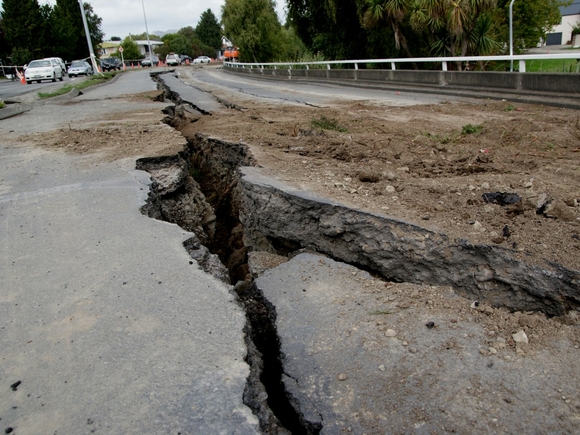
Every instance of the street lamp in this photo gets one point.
(89, 42)
(511, 36)
(147, 31)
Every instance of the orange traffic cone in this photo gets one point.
(20, 75)
(132, 66)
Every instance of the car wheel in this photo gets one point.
(61, 78)
(29, 81)
(54, 78)
(38, 81)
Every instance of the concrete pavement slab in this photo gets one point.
(106, 324)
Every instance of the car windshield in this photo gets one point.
(77, 64)
(39, 63)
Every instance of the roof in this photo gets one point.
(573, 9)
(153, 42)
(110, 44)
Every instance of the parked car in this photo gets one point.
(80, 68)
(59, 61)
(150, 61)
(185, 58)
(172, 59)
(43, 69)
(202, 59)
(111, 64)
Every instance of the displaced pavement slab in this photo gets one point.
(104, 320)
(202, 101)
(106, 323)
(364, 356)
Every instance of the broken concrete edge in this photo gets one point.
(173, 192)
(14, 109)
(274, 214)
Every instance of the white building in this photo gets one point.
(562, 33)
(109, 47)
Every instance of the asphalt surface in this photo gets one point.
(105, 323)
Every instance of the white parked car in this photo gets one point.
(202, 59)
(59, 61)
(172, 59)
(43, 69)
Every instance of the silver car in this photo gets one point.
(80, 67)
(43, 69)
(150, 61)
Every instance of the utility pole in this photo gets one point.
(512, 35)
(89, 42)
(147, 31)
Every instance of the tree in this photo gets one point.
(68, 31)
(23, 23)
(5, 47)
(253, 26)
(330, 29)
(130, 50)
(143, 37)
(532, 20)
(174, 43)
(115, 38)
(393, 12)
(208, 30)
(457, 28)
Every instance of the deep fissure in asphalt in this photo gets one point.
(208, 176)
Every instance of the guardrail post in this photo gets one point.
(393, 67)
(522, 66)
(444, 65)
(356, 66)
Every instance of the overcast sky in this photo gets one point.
(121, 17)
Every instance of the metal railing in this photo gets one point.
(444, 61)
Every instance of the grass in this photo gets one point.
(552, 65)
(445, 139)
(2, 104)
(325, 123)
(471, 129)
(95, 80)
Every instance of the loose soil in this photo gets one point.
(425, 164)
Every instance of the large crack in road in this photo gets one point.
(202, 189)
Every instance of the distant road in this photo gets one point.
(11, 89)
(299, 92)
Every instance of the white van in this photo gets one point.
(59, 61)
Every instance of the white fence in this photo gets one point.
(521, 59)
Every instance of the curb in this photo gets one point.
(13, 110)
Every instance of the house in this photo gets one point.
(144, 47)
(107, 48)
(562, 33)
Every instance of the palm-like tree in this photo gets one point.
(456, 27)
(391, 11)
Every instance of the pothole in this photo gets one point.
(201, 190)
